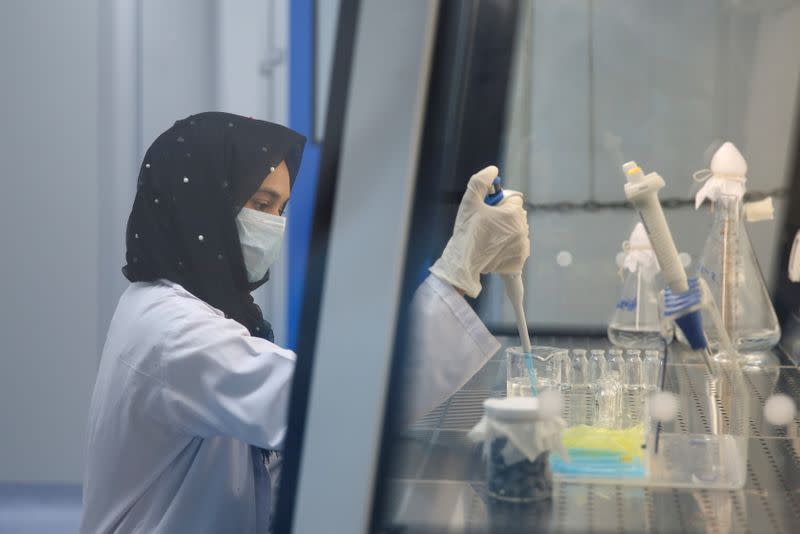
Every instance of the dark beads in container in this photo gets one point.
(511, 475)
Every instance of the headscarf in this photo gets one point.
(194, 180)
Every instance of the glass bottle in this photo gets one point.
(731, 270)
(562, 370)
(580, 367)
(652, 370)
(597, 365)
(633, 369)
(615, 365)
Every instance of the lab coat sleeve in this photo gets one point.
(219, 380)
(449, 344)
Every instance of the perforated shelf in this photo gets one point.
(437, 475)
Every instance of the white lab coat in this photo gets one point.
(183, 395)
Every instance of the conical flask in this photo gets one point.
(731, 270)
(635, 322)
(729, 265)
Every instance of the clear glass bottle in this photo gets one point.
(597, 365)
(616, 365)
(731, 270)
(652, 370)
(635, 322)
(580, 367)
(562, 370)
(608, 411)
(633, 369)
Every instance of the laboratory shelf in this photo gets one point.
(437, 475)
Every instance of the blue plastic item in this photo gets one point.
(684, 308)
(495, 198)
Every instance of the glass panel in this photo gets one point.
(596, 84)
(600, 83)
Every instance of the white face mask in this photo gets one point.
(261, 235)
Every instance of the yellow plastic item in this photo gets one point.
(584, 439)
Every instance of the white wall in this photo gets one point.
(49, 235)
(86, 87)
(601, 83)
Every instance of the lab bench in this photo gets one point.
(437, 478)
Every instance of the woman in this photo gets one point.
(191, 394)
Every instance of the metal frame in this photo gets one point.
(364, 266)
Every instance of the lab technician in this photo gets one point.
(189, 407)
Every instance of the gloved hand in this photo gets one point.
(486, 239)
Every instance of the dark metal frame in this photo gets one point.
(315, 265)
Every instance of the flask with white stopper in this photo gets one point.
(635, 322)
(729, 265)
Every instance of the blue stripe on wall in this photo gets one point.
(301, 118)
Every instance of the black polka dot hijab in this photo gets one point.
(194, 180)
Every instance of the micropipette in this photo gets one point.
(513, 282)
(683, 298)
(514, 287)
(642, 192)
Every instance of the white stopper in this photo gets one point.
(728, 175)
(639, 251)
(728, 161)
(639, 237)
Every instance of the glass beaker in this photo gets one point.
(530, 374)
(731, 270)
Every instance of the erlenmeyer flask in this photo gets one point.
(635, 322)
(731, 270)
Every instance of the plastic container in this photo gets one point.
(530, 374)
(611, 438)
